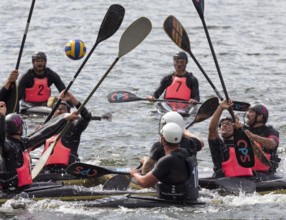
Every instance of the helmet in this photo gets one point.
(260, 109)
(67, 105)
(224, 119)
(172, 133)
(39, 55)
(13, 123)
(180, 55)
(174, 117)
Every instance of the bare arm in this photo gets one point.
(213, 130)
(145, 181)
(267, 142)
(11, 79)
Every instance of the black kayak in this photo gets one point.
(139, 201)
(56, 190)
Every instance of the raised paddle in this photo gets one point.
(110, 24)
(124, 96)
(243, 146)
(205, 111)
(175, 30)
(129, 40)
(12, 104)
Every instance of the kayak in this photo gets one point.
(56, 190)
(139, 201)
(183, 109)
(134, 198)
(68, 179)
(229, 184)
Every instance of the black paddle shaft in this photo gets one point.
(243, 146)
(109, 26)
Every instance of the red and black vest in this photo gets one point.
(40, 92)
(178, 89)
(231, 168)
(24, 172)
(60, 154)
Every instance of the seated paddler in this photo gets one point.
(175, 174)
(15, 172)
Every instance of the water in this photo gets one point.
(248, 37)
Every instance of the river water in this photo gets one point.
(248, 37)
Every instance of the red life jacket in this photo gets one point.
(24, 172)
(60, 154)
(258, 165)
(178, 89)
(40, 92)
(231, 167)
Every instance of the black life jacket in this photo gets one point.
(187, 191)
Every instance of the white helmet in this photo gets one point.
(172, 133)
(174, 117)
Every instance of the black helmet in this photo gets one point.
(67, 105)
(224, 119)
(260, 109)
(39, 55)
(13, 123)
(181, 55)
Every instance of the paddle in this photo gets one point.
(110, 24)
(11, 107)
(124, 96)
(130, 39)
(230, 184)
(243, 146)
(83, 170)
(205, 111)
(177, 33)
(106, 116)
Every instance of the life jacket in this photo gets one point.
(178, 89)
(60, 154)
(24, 172)
(39, 92)
(231, 167)
(188, 191)
(258, 165)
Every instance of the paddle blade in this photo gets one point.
(243, 149)
(82, 170)
(111, 22)
(205, 111)
(199, 5)
(41, 162)
(134, 35)
(122, 96)
(260, 155)
(240, 106)
(177, 33)
(117, 182)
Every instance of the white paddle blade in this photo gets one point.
(42, 161)
(134, 35)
